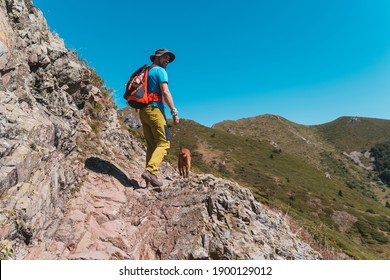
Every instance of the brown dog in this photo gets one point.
(184, 163)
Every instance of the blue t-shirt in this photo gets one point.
(157, 75)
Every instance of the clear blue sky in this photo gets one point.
(308, 61)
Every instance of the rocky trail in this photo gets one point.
(199, 218)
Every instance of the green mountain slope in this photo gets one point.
(355, 134)
(336, 148)
(336, 212)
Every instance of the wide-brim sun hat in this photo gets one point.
(160, 52)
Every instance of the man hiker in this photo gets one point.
(153, 118)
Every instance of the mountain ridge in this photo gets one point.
(280, 117)
(348, 135)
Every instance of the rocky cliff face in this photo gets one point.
(70, 175)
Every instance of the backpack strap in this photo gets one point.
(152, 96)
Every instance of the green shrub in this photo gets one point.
(381, 153)
(6, 250)
(363, 228)
(95, 125)
(380, 237)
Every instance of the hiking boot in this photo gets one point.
(151, 178)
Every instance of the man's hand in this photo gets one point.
(175, 120)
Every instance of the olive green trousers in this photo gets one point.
(156, 134)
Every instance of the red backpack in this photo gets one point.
(136, 94)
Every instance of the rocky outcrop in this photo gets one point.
(43, 92)
(70, 175)
(357, 157)
(130, 118)
(201, 218)
(132, 122)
